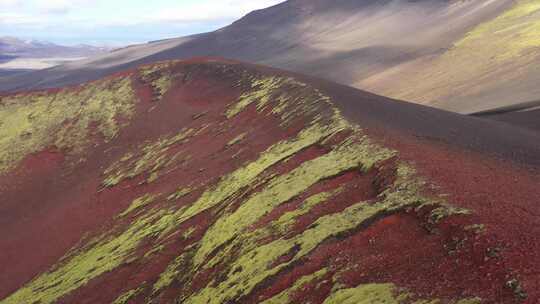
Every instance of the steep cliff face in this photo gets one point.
(211, 181)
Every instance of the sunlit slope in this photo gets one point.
(390, 47)
(209, 181)
(66, 119)
(496, 64)
(463, 56)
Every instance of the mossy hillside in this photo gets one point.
(306, 102)
(188, 233)
(128, 295)
(261, 92)
(251, 263)
(251, 268)
(179, 193)
(284, 297)
(159, 76)
(33, 122)
(231, 186)
(101, 255)
(441, 213)
(139, 203)
(382, 294)
(283, 96)
(287, 220)
(504, 47)
(152, 158)
(470, 301)
(368, 294)
(248, 174)
(350, 155)
(155, 223)
(236, 140)
(173, 270)
(508, 35)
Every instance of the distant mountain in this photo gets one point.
(11, 47)
(18, 56)
(464, 56)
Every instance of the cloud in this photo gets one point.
(42, 7)
(60, 6)
(200, 11)
(55, 6)
(35, 13)
(9, 3)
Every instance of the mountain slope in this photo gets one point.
(431, 51)
(10, 46)
(211, 181)
(496, 64)
(17, 56)
(522, 114)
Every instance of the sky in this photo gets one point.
(118, 22)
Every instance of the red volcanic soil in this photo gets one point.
(489, 167)
(52, 203)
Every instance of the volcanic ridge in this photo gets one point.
(215, 181)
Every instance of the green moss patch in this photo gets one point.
(139, 203)
(66, 119)
(152, 158)
(127, 296)
(284, 297)
(159, 77)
